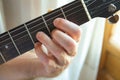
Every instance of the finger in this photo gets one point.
(65, 41)
(68, 27)
(53, 48)
(41, 55)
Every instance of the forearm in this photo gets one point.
(18, 68)
(10, 72)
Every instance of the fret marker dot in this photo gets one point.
(6, 46)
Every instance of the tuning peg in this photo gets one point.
(113, 19)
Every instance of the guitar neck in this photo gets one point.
(21, 39)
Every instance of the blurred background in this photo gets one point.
(93, 60)
(18, 12)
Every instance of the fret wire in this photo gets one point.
(63, 13)
(14, 43)
(13, 36)
(86, 10)
(57, 15)
(43, 27)
(46, 20)
(46, 24)
(29, 33)
(21, 37)
(60, 14)
(66, 16)
(42, 23)
(2, 56)
(55, 11)
(15, 40)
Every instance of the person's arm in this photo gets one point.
(62, 47)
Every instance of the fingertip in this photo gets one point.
(38, 35)
(58, 21)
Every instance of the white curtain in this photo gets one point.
(2, 23)
(91, 42)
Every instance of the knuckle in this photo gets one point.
(55, 71)
(65, 61)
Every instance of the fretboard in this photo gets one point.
(21, 39)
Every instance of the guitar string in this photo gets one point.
(33, 27)
(35, 30)
(66, 12)
(54, 16)
(95, 0)
(57, 16)
(51, 24)
(37, 24)
(53, 12)
(60, 14)
(98, 14)
(94, 8)
(88, 5)
(79, 10)
(102, 10)
(48, 14)
(57, 10)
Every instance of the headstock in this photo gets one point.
(104, 8)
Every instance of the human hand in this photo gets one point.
(62, 47)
